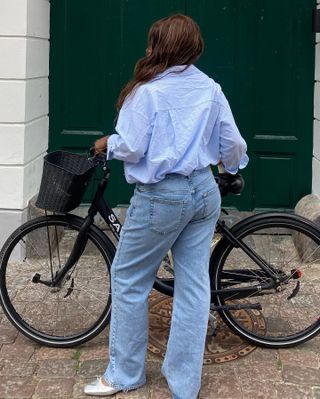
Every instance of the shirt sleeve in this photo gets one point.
(232, 146)
(132, 140)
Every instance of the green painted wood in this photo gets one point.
(261, 51)
(94, 47)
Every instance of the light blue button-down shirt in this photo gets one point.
(176, 123)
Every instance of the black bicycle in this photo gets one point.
(55, 270)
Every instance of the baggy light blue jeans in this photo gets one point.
(178, 213)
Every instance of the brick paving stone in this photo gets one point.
(57, 368)
(21, 388)
(294, 391)
(227, 368)
(214, 375)
(92, 353)
(16, 351)
(264, 374)
(310, 346)
(4, 320)
(16, 368)
(260, 355)
(54, 353)
(141, 393)
(255, 389)
(8, 334)
(92, 368)
(153, 370)
(219, 387)
(78, 388)
(102, 338)
(28, 370)
(54, 388)
(22, 340)
(260, 370)
(316, 393)
(159, 389)
(300, 375)
(299, 356)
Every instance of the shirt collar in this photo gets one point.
(178, 68)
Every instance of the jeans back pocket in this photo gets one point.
(211, 201)
(166, 215)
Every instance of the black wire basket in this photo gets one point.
(64, 180)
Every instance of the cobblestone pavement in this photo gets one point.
(28, 370)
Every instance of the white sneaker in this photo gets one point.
(98, 388)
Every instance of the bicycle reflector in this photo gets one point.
(296, 273)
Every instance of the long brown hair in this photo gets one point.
(174, 40)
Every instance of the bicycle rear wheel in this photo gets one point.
(79, 308)
(289, 314)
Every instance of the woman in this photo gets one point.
(173, 122)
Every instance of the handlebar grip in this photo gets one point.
(237, 184)
(97, 158)
(230, 184)
(92, 152)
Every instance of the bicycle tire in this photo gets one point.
(288, 317)
(164, 282)
(64, 316)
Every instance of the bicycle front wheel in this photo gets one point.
(287, 314)
(76, 310)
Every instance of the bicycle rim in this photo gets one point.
(55, 316)
(289, 316)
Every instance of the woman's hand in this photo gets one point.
(101, 145)
(221, 169)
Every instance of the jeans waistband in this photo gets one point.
(192, 174)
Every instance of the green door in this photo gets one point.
(260, 51)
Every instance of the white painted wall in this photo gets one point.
(24, 70)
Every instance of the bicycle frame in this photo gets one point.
(266, 272)
(99, 205)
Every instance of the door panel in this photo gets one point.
(94, 47)
(260, 51)
(262, 54)
(277, 190)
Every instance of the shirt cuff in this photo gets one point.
(243, 163)
(111, 145)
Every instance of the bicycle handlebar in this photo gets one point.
(227, 183)
(97, 158)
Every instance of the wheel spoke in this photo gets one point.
(71, 311)
(90, 293)
(289, 310)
